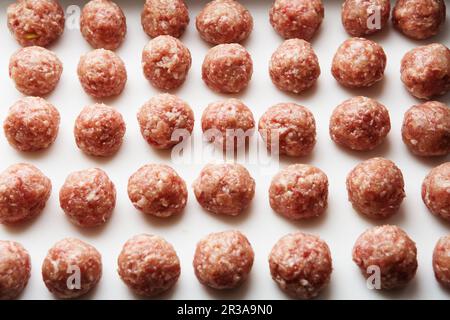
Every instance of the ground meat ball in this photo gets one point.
(441, 261)
(36, 71)
(360, 123)
(99, 130)
(88, 198)
(436, 191)
(224, 188)
(32, 124)
(71, 268)
(102, 73)
(419, 19)
(376, 188)
(149, 265)
(227, 68)
(359, 63)
(425, 71)
(224, 21)
(360, 17)
(301, 265)
(15, 269)
(162, 118)
(294, 66)
(426, 129)
(165, 17)
(103, 24)
(288, 129)
(166, 62)
(229, 123)
(223, 260)
(24, 191)
(157, 190)
(296, 18)
(36, 22)
(390, 249)
(299, 192)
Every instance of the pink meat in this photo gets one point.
(224, 21)
(294, 66)
(288, 129)
(24, 191)
(391, 250)
(103, 24)
(376, 188)
(166, 62)
(359, 62)
(223, 260)
(99, 130)
(227, 68)
(299, 191)
(88, 198)
(224, 188)
(32, 124)
(360, 123)
(157, 190)
(67, 259)
(301, 265)
(148, 265)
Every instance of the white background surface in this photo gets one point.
(339, 227)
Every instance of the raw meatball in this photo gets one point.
(149, 265)
(301, 265)
(360, 123)
(223, 260)
(426, 129)
(376, 188)
(71, 268)
(157, 190)
(228, 123)
(15, 269)
(24, 191)
(288, 129)
(436, 191)
(224, 21)
(359, 63)
(296, 18)
(99, 130)
(32, 124)
(166, 62)
(165, 17)
(365, 17)
(294, 66)
(36, 71)
(391, 250)
(441, 261)
(103, 24)
(425, 71)
(299, 192)
(36, 22)
(224, 188)
(165, 120)
(419, 19)
(102, 73)
(88, 198)
(227, 68)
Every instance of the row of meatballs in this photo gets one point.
(228, 68)
(103, 23)
(359, 123)
(88, 197)
(300, 263)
